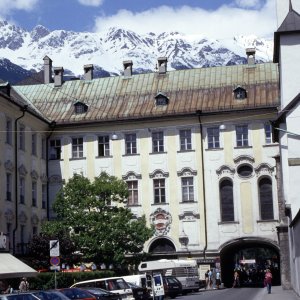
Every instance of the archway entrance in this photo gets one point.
(162, 248)
(250, 258)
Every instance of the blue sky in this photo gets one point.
(217, 18)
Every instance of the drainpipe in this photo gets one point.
(52, 126)
(198, 112)
(23, 109)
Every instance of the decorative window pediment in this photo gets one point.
(225, 171)
(244, 159)
(131, 176)
(187, 172)
(9, 215)
(55, 179)
(22, 170)
(80, 107)
(9, 166)
(161, 99)
(44, 178)
(34, 175)
(264, 169)
(22, 217)
(240, 93)
(189, 215)
(159, 174)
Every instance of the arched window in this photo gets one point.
(266, 199)
(226, 200)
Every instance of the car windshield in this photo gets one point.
(117, 284)
(98, 291)
(50, 295)
(22, 296)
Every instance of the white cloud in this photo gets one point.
(91, 2)
(227, 21)
(6, 6)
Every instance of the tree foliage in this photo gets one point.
(101, 227)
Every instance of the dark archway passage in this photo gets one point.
(250, 258)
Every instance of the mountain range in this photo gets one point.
(22, 51)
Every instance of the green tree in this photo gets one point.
(102, 228)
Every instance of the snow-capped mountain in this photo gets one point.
(107, 50)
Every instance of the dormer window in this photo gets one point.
(240, 93)
(161, 99)
(80, 108)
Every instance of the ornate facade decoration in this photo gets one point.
(44, 178)
(187, 172)
(34, 175)
(225, 171)
(55, 179)
(264, 169)
(9, 166)
(244, 159)
(131, 175)
(159, 174)
(22, 217)
(22, 170)
(189, 215)
(161, 220)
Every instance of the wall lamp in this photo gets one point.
(222, 127)
(114, 137)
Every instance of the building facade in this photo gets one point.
(195, 147)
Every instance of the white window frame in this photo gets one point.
(130, 143)
(185, 139)
(158, 142)
(55, 149)
(213, 137)
(133, 197)
(189, 188)
(242, 137)
(105, 145)
(268, 133)
(77, 147)
(161, 197)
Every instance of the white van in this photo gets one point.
(141, 280)
(113, 284)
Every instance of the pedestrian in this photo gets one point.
(209, 279)
(236, 279)
(206, 279)
(218, 279)
(268, 280)
(24, 285)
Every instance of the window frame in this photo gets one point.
(34, 143)
(213, 137)
(9, 131)
(159, 191)
(104, 146)
(133, 196)
(8, 186)
(226, 216)
(185, 139)
(55, 149)
(44, 196)
(189, 187)
(242, 135)
(77, 147)
(266, 210)
(130, 143)
(22, 137)
(158, 142)
(268, 133)
(22, 187)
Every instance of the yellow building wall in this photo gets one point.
(246, 207)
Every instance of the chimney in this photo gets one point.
(88, 72)
(127, 68)
(5, 88)
(58, 76)
(47, 69)
(162, 65)
(250, 56)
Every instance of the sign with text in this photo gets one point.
(54, 248)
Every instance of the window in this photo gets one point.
(22, 137)
(8, 186)
(8, 138)
(185, 139)
(240, 93)
(266, 199)
(158, 142)
(9, 233)
(133, 197)
(43, 154)
(77, 147)
(268, 133)
(55, 149)
(22, 190)
(226, 200)
(213, 137)
(80, 108)
(44, 196)
(34, 230)
(187, 186)
(33, 144)
(159, 191)
(130, 143)
(245, 171)
(103, 145)
(241, 135)
(34, 193)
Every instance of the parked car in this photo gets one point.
(102, 294)
(139, 293)
(78, 294)
(48, 295)
(172, 286)
(19, 296)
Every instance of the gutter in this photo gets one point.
(23, 109)
(52, 126)
(198, 112)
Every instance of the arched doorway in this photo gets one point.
(250, 257)
(162, 248)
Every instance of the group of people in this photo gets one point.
(7, 288)
(212, 279)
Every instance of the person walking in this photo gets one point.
(206, 279)
(24, 285)
(218, 279)
(268, 280)
(236, 279)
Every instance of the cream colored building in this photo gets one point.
(194, 146)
